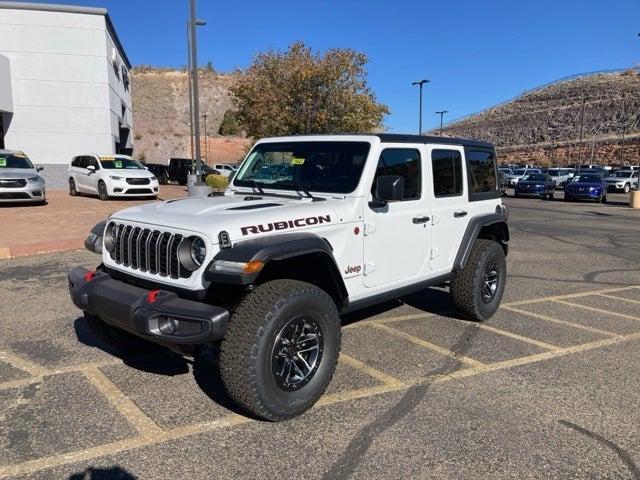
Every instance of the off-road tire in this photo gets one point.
(466, 287)
(246, 352)
(73, 191)
(103, 192)
(112, 337)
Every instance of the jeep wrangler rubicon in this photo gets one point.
(310, 228)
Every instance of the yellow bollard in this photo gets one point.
(634, 199)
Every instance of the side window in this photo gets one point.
(482, 171)
(75, 162)
(403, 162)
(84, 161)
(92, 161)
(447, 173)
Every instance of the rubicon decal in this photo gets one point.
(285, 224)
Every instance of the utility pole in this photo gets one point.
(420, 83)
(196, 99)
(581, 129)
(206, 137)
(190, 91)
(441, 113)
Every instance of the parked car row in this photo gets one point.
(20, 180)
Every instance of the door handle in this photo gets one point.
(459, 214)
(420, 219)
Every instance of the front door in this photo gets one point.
(449, 200)
(396, 238)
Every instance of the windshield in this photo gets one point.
(119, 163)
(535, 177)
(14, 160)
(587, 178)
(622, 174)
(333, 167)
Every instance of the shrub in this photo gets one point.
(230, 125)
(219, 183)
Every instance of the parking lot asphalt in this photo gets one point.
(548, 388)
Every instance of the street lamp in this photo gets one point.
(206, 137)
(581, 129)
(441, 113)
(199, 23)
(194, 78)
(420, 83)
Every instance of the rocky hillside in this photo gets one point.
(161, 115)
(543, 125)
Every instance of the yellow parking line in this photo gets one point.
(146, 427)
(561, 322)
(372, 372)
(599, 310)
(22, 363)
(429, 345)
(399, 318)
(568, 296)
(618, 298)
(515, 336)
(232, 420)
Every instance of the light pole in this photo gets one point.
(441, 113)
(194, 78)
(206, 137)
(199, 23)
(420, 83)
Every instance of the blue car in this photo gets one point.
(535, 185)
(586, 186)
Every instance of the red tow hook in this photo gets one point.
(152, 296)
(89, 276)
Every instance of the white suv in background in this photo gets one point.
(111, 176)
(225, 169)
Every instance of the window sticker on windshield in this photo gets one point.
(20, 155)
(118, 163)
(3, 162)
(297, 161)
(107, 158)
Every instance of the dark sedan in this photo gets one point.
(586, 186)
(535, 185)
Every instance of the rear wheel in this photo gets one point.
(627, 188)
(72, 188)
(281, 348)
(102, 191)
(477, 289)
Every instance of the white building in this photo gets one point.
(64, 82)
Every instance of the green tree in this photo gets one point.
(230, 125)
(301, 92)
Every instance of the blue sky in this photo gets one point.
(476, 53)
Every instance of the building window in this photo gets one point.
(125, 78)
(447, 173)
(405, 163)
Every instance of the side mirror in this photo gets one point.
(389, 188)
(39, 168)
(91, 168)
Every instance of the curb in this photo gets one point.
(42, 247)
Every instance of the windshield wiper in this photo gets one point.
(256, 185)
(299, 188)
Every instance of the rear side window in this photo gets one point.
(447, 173)
(403, 162)
(75, 162)
(481, 168)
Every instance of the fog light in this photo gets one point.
(168, 325)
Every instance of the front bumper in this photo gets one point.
(583, 195)
(33, 192)
(147, 313)
(529, 193)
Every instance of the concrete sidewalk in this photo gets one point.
(62, 224)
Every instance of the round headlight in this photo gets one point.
(198, 250)
(110, 237)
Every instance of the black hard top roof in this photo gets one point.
(406, 138)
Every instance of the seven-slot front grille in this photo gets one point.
(148, 250)
(18, 183)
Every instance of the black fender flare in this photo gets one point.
(472, 232)
(275, 248)
(93, 242)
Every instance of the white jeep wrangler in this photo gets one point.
(311, 227)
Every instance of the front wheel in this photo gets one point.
(477, 289)
(627, 188)
(103, 193)
(281, 348)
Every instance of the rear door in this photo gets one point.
(93, 176)
(396, 238)
(80, 174)
(449, 203)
